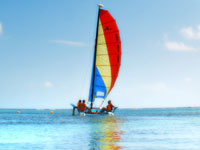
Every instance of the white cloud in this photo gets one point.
(155, 87)
(48, 84)
(71, 43)
(191, 33)
(178, 46)
(1, 28)
(188, 80)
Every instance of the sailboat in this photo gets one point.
(106, 61)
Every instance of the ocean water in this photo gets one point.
(129, 129)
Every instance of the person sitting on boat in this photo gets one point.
(86, 107)
(82, 106)
(78, 105)
(109, 107)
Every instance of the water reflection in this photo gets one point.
(105, 134)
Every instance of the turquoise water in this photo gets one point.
(129, 129)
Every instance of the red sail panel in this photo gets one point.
(113, 43)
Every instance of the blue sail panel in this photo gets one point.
(99, 87)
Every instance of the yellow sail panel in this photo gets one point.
(102, 58)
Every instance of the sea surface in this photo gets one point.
(129, 129)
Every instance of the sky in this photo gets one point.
(46, 52)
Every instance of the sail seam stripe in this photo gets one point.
(103, 76)
(109, 43)
(106, 54)
(102, 86)
(108, 65)
(115, 31)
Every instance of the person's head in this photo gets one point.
(109, 101)
(79, 101)
(83, 101)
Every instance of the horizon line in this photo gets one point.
(118, 108)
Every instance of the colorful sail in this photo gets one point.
(107, 57)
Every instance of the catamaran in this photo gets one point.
(106, 61)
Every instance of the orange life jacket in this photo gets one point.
(82, 107)
(78, 105)
(109, 107)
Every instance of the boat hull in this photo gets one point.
(94, 111)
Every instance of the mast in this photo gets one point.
(95, 50)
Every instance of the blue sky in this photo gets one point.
(46, 52)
